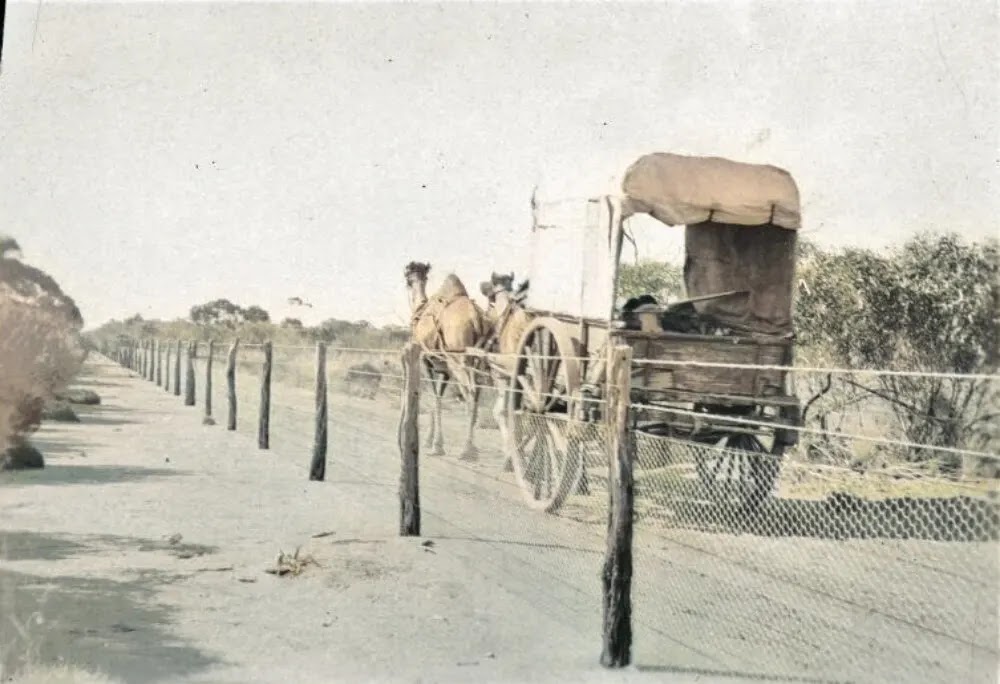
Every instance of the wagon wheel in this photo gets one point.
(542, 440)
(738, 469)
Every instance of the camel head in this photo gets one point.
(415, 274)
(503, 280)
(498, 282)
(416, 271)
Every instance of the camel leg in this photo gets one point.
(442, 387)
(500, 414)
(471, 453)
(437, 449)
(435, 436)
(430, 433)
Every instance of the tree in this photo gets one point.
(662, 280)
(255, 314)
(8, 246)
(929, 305)
(292, 323)
(331, 329)
(217, 311)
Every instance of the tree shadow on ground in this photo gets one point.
(25, 545)
(104, 414)
(111, 626)
(66, 474)
(93, 381)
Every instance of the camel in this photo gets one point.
(449, 322)
(508, 320)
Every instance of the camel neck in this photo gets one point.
(418, 295)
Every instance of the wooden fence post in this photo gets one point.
(152, 360)
(159, 364)
(166, 371)
(616, 649)
(231, 384)
(208, 420)
(409, 444)
(142, 359)
(317, 469)
(189, 398)
(264, 417)
(177, 370)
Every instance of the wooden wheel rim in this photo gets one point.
(547, 466)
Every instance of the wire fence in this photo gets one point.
(856, 553)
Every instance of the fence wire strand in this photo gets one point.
(747, 560)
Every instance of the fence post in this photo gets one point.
(177, 370)
(231, 384)
(159, 365)
(166, 371)
(616, 649)
(317, 469)
(264, 418)
(208, 420)
(152, 361)
(142, 359)
(189, 398)
(409, 444)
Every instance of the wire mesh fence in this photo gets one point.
(849, 557)
(846, 576)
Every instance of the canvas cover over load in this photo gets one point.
(726, 257)
(683, 190)
(741, 232)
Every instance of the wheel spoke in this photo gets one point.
(544, 467)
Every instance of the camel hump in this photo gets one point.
(452, 288)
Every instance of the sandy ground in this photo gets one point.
(93, 572)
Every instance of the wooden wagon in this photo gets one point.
(697, 363)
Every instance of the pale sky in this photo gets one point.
(156, 156)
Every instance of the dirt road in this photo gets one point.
(91, 548)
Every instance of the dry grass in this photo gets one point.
(812, 482)
(293, 565)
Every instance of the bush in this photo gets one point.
(39, 355)
(40, 348)
(929, 305)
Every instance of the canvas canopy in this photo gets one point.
(682, 190)
(717, 199)
(725, 257)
